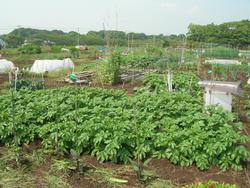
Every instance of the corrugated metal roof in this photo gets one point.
(232, 87)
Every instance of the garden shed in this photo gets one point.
(5, 66)
(42, 66)
(220, 92)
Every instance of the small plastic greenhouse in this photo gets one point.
(5, 65)
(223, 61)
(42, 66)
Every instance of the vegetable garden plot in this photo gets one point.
(183, 82)
(225, 72)
(112, 126)
(222, 52)
(160, 63)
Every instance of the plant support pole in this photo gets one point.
(170, 79)
(14, 127)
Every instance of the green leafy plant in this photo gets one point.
(30, 49)
(114, 127)
(155, 82)
(75, 52)
(247, 107)
(27, 84)
(182, 82)
(222, 52)
(114, 67)
(138, 167)
(154, 51)
(139, 61)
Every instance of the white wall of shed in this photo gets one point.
(214, 97)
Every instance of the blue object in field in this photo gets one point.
(102, 49)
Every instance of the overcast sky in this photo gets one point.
(148, 16)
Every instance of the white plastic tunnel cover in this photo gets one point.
(42, 66)
(6, 66)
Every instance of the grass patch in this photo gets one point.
(8, 157)
(16, 178)
(59, 73)
(159, 183)
(38, 157)
(108, 176)
(104, 175)
(61, 167)
(211, 184)
(56, 181)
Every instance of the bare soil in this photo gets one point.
(188, 175)
(162, 169)
(3, 78)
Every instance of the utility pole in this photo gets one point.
(116, 27)
(105, 36)
(183, 51)
(19, 33)
(128, 43)
(116, 20)
(104, 31)
(132, 43)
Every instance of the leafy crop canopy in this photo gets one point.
(112, 126)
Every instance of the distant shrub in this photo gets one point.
(74, 52)
(154, 51)
(9, 51)
(56, 48)
(114, 67)
(30, 49)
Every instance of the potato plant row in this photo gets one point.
(114, 127)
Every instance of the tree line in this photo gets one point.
(234, 34)
(113, 38)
